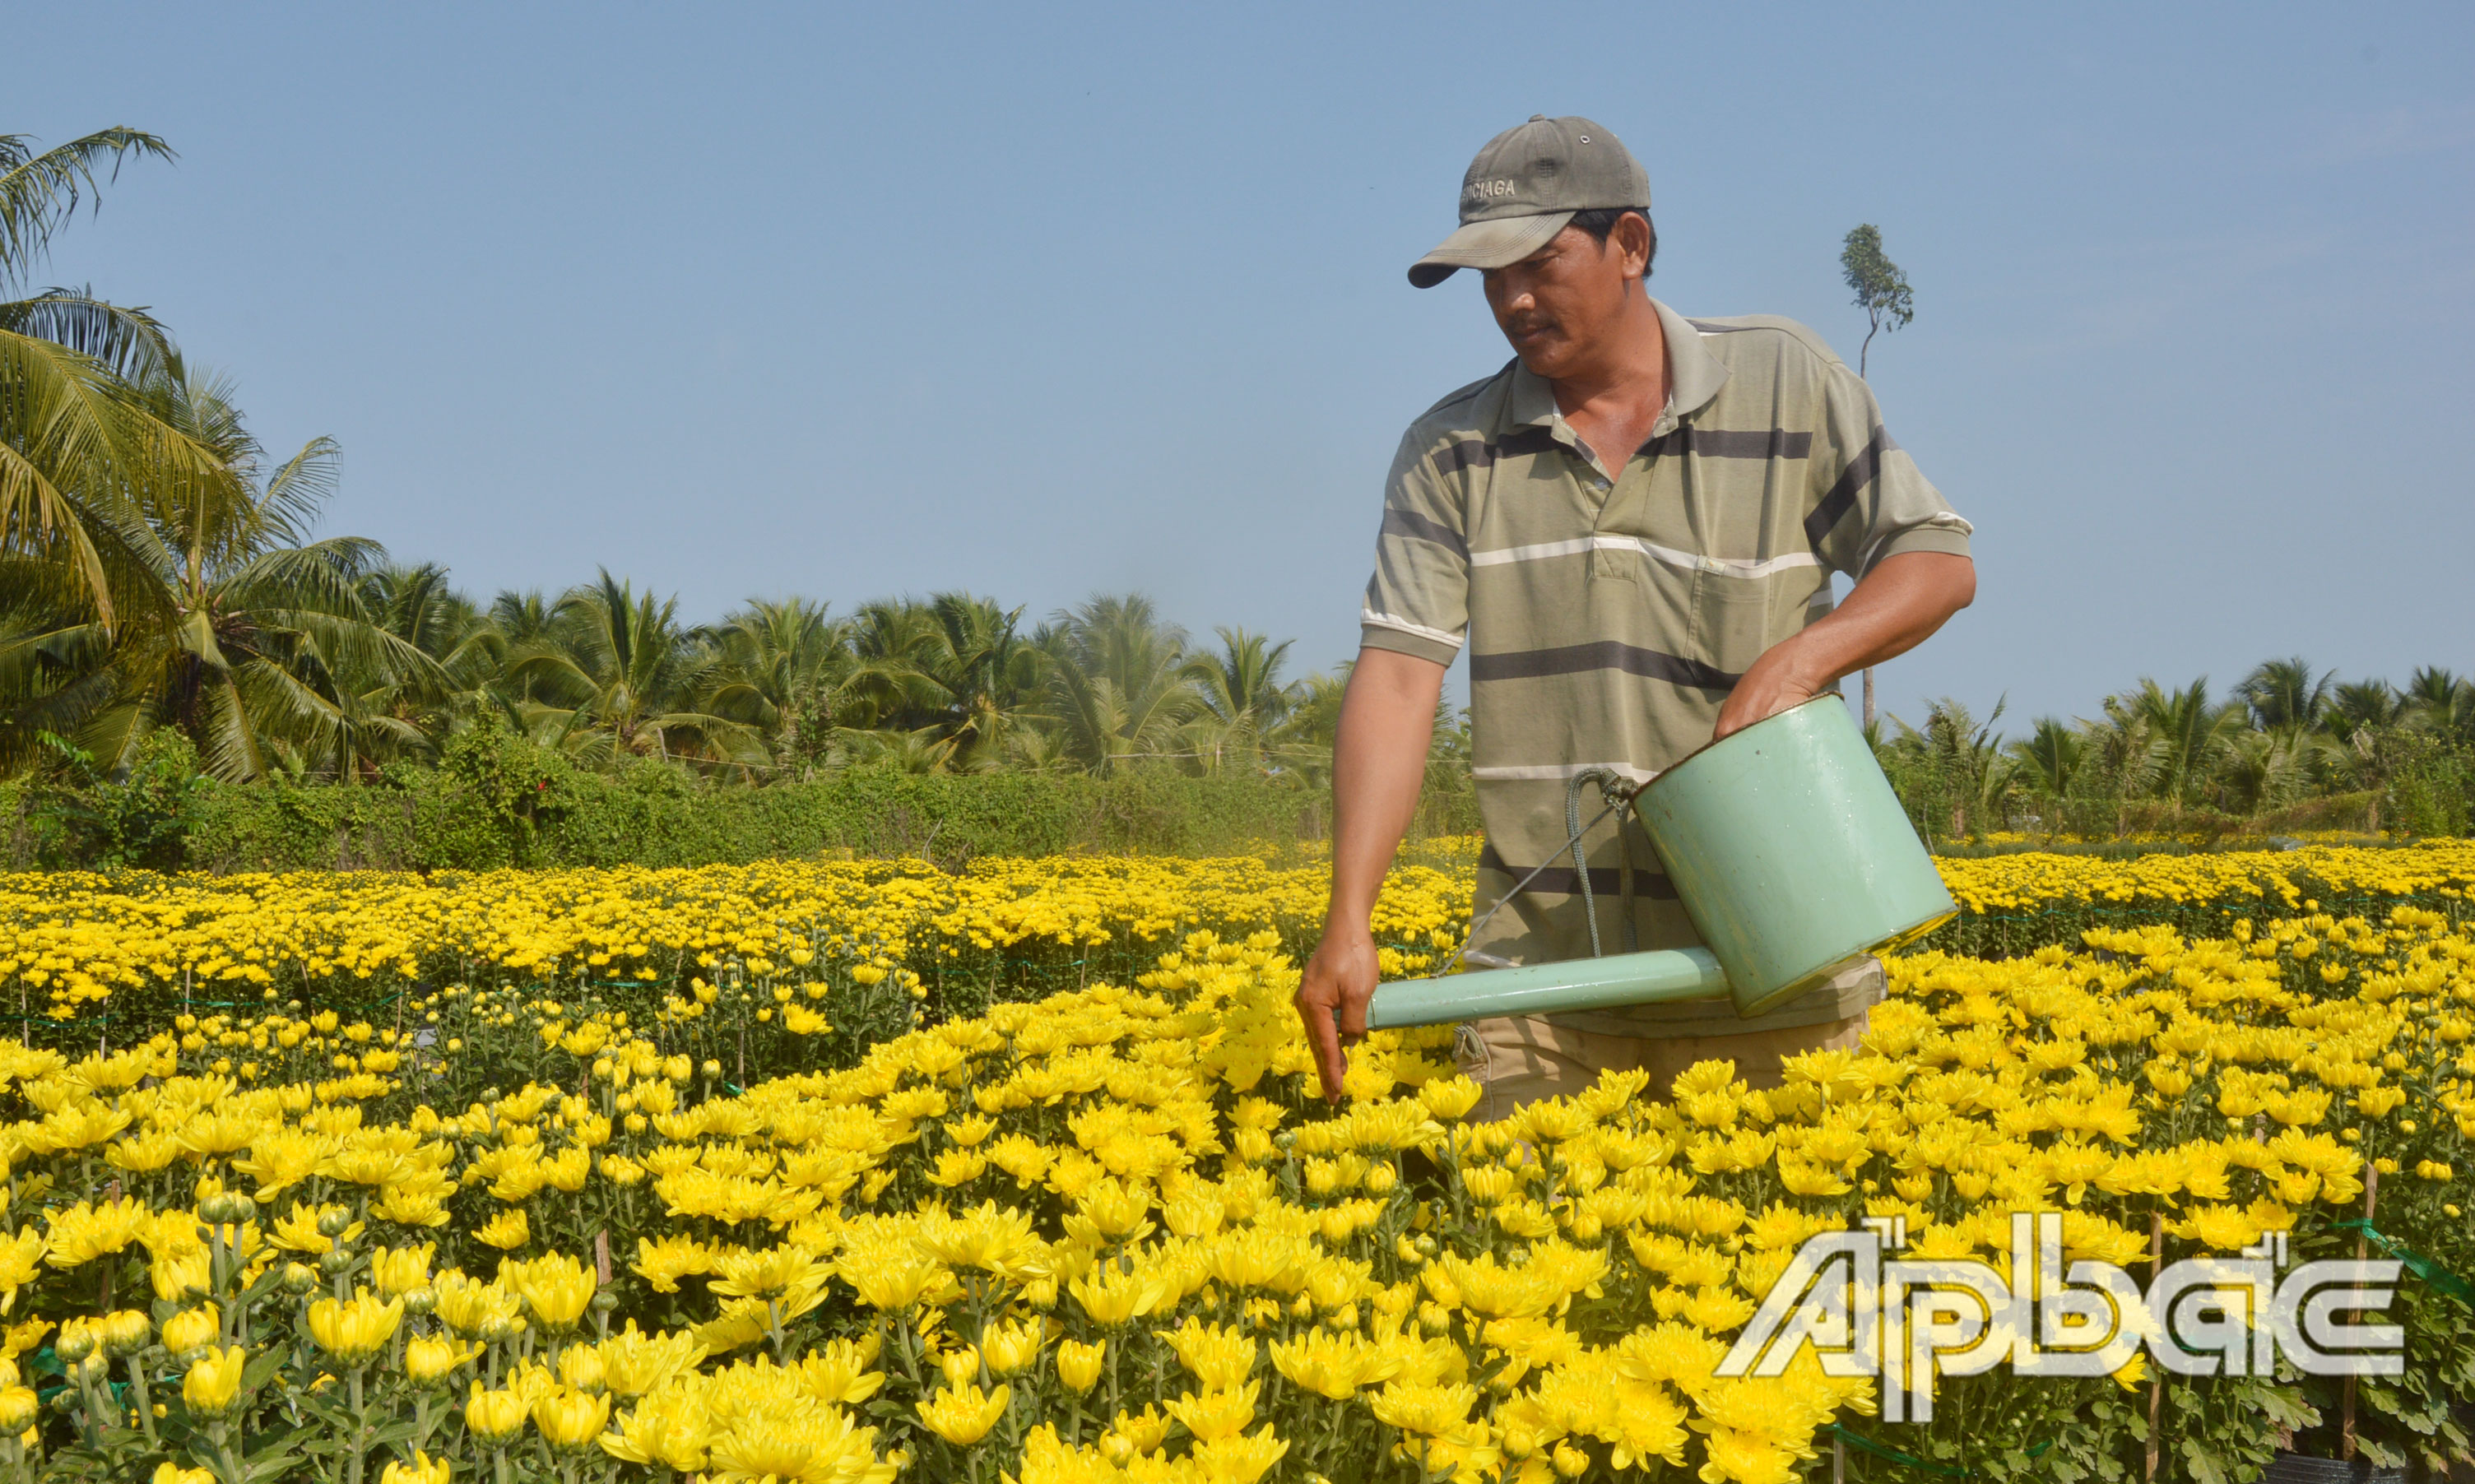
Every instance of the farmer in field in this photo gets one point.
(1634, 526)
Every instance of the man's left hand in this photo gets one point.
(1772, 686)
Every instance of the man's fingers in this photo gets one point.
(1332, 1063)
(1352, 1015)
(1330, 1066)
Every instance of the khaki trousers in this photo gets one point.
(1519, 1060)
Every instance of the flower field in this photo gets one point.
(851, 1171)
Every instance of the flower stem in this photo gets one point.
(145, 1400)
(353, 1462)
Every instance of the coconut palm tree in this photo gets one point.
(2050, 757)
(2269, 770)
(1243, 701)
(618, 676)
(1039, 749)
(234, 625)
(418, 605)
(2441, 702)
(2119, 756)
(985, 675)
(1117, 684)
(781, 669)
(895, 643)
(2364, 708)
(2188, 735)
(1957, 763)
(523, 618)
(2283, 696)
(917, 751)
(76, 448)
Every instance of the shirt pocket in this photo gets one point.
(1736, 617)
(1732, 621)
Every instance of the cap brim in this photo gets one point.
(1498, 243)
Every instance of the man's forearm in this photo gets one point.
(1379, 762)
(1899, 605)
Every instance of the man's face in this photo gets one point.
(1558, 305)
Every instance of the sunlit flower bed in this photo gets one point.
(820, 1172)
(1003, 929)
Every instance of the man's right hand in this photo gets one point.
(1379, 759)
(1332, 999)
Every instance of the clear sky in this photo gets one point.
(853, 300)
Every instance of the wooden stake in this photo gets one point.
(2346, 1410)
(2157, 1383)
(601, 1257)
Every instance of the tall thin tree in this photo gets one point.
(1882, 292)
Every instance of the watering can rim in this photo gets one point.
(1673, 769)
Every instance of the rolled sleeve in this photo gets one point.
(1374, 635)
(1925, 537)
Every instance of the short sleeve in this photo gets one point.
(1417, 601)
(1874, 501)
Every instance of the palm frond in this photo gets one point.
(39, 193)
(300, 487)
(130, 342)
(36, 518)
(326, 573)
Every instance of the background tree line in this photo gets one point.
(157, 574)
(172, 630)
(2289, 749)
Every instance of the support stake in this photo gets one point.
(2346, 1408)
(2157, 1383)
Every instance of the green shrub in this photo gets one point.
(495, 800)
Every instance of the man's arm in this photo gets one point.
(1901, 601)
(1379, 760)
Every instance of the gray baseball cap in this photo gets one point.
(1525, 185)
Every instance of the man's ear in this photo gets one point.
(1631, 235)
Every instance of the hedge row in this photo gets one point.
(495, 800)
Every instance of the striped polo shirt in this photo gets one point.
(1611, 605)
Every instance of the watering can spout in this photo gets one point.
(1787, 849)
(1550, 988)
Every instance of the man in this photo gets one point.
(1633, 526)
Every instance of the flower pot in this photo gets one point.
(2296, 1468)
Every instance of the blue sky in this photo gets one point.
(849, 301)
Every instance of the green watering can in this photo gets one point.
(1791, 855)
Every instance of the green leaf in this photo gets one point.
(261, 1370)
(2284, 1406)
(280, 1436)
(2382, 1455)
(2203, 1463)
(271, 1462)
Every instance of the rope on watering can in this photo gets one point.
(1618, 792)
(1572, 809)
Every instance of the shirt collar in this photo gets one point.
(1694, 376)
